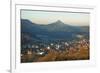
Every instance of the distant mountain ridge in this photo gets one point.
(52, 31)
(56, 26)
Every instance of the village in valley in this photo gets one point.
(59, 50)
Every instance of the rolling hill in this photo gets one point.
(54, 31)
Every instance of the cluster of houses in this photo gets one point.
(42, 49)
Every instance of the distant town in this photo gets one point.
(55, 51)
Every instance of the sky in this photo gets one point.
(47, 17)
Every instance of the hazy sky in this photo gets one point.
(47, 17)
